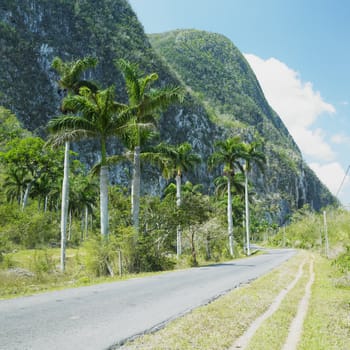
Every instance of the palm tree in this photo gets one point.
(144, 104)
(14, 184)
(229, 154)
(99, 117)
(251, 155)
(177, 160)
(70, 82)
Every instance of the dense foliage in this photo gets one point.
(32, 178)
(224, 102)
(223, 99)
(219, 76)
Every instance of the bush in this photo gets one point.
(342, 262)
(30, 228)
(101, 257)
(42, 263)
(148, 257)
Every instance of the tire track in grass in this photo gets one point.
(242, 342)
(296, 327)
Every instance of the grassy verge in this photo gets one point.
(274, 331)
(327, 325)
(219, 324)
(27, 272)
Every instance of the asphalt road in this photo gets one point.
(98, 317)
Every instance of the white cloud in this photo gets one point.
(340, 139)
(296, 102)
(332, 175)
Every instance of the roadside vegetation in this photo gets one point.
(326, 326)
(65, 223)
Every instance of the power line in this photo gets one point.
(342, 183)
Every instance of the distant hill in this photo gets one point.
(224, 97)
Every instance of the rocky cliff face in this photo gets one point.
(217, 73)
(224, 97)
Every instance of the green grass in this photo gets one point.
(274, 331)
(41, 271)
(327, 325)
(219, 324)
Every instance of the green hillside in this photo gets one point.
(223, 99)
(215, 71)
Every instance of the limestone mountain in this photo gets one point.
(224, 97)
(217, 73)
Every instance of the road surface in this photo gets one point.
(98, 317)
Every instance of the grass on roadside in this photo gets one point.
(27, 272)
(327, 324)
(274, 331)
(219, 324)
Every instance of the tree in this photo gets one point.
(83, 196)
(194, 211)
(229, 154)
(144, 104)
(177, 160)
(30, 160)
(10, 127)
(70, 82)
(99, 117)
(252, 155)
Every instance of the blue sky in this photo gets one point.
(300, 53)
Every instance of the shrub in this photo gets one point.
(101, 256)
(30, 228)
(342, 262)
(42, 263)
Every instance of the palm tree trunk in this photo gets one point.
(246, 212)
(135, 189)
(26, 194)
(178, 204)
(104, 200)
(229, 215)
(86, 222)
(64, 206)
(46, 203)
(70, 225)
(178, 189)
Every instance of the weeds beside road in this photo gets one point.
(219, 324)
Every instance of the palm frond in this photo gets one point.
(69, 123)
(160, 99)
(131, 76)
(71, 72)
(74, 135)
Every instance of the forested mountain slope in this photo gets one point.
(224, 97)
(217, 73)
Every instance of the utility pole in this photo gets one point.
(325, 233)
(246, 209)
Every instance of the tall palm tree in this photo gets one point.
(252, 155)
(99, 117)
(178, 159)
(228, 153)
(144, 104)
(70, 82)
